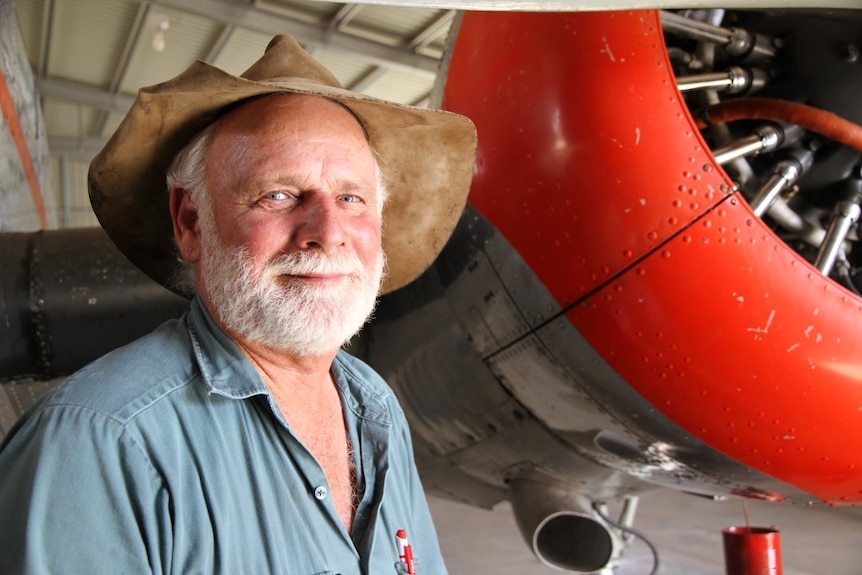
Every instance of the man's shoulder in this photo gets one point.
(131, 378)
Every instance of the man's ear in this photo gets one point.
(184, 216)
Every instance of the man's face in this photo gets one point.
(291, 247)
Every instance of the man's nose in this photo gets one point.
(320, 223)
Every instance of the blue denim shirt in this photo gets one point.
(170, 456)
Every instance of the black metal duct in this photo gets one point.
(69, 296)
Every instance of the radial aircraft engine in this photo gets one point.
(656, 279)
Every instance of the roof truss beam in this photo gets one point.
(309, 35)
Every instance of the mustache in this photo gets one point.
(315, 262)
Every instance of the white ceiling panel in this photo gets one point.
(241, 50)
(305, 10)
(67, 119)
(393, 23)
(347, 70)
(112, 122)
(188, 38)
(411, 89)
(30, 22)
(85, 35)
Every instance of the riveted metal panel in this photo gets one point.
(578, 115)
(745, 345)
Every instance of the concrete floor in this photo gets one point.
(685, 529)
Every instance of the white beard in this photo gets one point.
(277, 311)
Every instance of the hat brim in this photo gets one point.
(426, 157)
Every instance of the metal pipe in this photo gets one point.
(720, 133)
(712, 81)
(630, 507)
(70, 296)
(560, 526)
(845, 216)
(715, 16)
(765, 139)
(736, 41)
(627, 516)
(694, 29)
(687, 59)
(786, 172)
(787, 218)
(734, 80)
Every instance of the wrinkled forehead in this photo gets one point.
(280, 117)
(273, 132)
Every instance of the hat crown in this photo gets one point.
(285, 58)
(425, 155)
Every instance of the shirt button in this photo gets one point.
(320, 492)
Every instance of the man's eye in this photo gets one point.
(277, 196)
(351, 198)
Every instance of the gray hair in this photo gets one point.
(188, 169)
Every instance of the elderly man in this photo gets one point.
(240, 438)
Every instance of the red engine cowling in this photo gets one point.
(592, 166)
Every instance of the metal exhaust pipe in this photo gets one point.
(561, 528)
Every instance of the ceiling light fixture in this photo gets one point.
(159, 23)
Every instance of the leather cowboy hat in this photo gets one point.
(426, 157)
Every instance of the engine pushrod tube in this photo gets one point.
(694, 29)
(765, 139)
(734, 80)
(736, 41)
(846, 216)
(715, 81)
(785, 173)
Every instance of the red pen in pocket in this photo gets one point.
(405, 552)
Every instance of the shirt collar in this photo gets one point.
(224, 368)
(363, 391)
(227, 371)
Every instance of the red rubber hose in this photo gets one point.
(826, 123)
